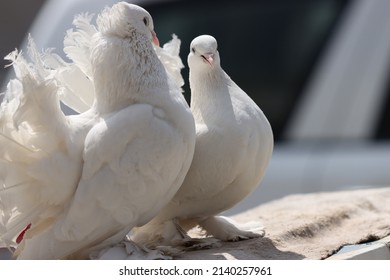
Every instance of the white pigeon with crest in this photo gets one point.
(234, 143)
(72, 184)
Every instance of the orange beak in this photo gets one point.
(155, 40)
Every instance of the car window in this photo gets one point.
(268, 47)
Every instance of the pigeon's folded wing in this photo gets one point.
(124, 178)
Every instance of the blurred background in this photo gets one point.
(319, 69)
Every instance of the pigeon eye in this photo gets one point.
(193, 50)
(146, 21)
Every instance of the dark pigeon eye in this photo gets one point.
(193, 50)
(146, 21)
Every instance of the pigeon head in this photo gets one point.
(203, 53)
(123, 20)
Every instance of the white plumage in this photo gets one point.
(234, 144)
(82, 182)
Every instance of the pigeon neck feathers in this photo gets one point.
(211, 99)
(126, 69)
(123, 71)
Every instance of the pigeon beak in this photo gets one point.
(208, 58)
(155, 40)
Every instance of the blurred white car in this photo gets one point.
(319, 69)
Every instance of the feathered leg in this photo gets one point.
(225, 230)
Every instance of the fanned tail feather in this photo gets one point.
(76, 77)
(32, 135)
(169, 56)
(77, 42)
